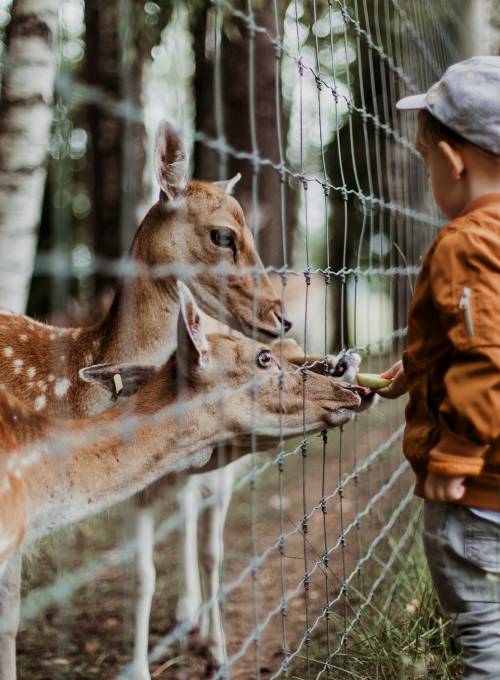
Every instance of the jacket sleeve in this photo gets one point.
(465, 282)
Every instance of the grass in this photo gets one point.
(401, 634)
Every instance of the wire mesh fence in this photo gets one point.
(299, 542)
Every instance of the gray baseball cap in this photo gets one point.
(467, 100)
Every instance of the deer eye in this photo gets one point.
(224, 238)
(265, 359)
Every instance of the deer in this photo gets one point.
(212, 487)
(196, 230)
(59, 471)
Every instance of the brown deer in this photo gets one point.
(196, 230)
(55, 472)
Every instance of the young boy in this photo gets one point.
(451, 367)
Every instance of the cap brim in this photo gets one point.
(414, 103)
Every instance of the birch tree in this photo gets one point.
(30, 64)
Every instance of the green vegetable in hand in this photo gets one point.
(372, 380)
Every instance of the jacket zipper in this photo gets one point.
(465, 306)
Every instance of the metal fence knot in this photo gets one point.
(282, 545)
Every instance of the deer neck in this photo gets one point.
(142, 322)
(88, 477)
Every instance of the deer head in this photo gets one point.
(199, 226)
(245, 385)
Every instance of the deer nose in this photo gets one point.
(285, 323)
(341, 367)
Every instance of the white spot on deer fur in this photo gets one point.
(8, 351)
(61, 387)
(42, 385)
(23, 337)
(51, 378)
(39, 402)
(18, 362)
(31, 372)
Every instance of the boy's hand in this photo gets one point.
(398, 385)
(445, 489)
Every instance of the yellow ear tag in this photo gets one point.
(117, 380)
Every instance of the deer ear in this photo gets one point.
(192, 344)
(119, 379)
(170, 161)
(228, 185)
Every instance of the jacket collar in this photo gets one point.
(480, 202)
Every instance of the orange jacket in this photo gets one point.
(452, 360)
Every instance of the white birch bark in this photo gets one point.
(30, 65)
(482, 35)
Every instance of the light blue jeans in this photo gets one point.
(463, 553)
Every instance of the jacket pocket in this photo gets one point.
(474, 322)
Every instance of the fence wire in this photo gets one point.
(318, 526)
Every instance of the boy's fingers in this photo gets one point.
(429, 490)
(444, 489)
(390, 373)
(384, 392)
(456, 490)
(390, 392)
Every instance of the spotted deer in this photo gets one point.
(211, 488)
(59, 471)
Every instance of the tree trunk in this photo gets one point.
(117, 143)
(25, 118)
(119, 42)
(236, 96)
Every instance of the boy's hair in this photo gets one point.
(430, 131)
